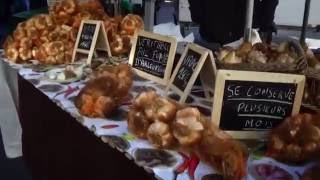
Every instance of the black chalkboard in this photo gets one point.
(151, 56)
(86, 36)
(252, 106)
(188, 66)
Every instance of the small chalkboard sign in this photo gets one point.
(91, 36)
(86, 36)
(152, 56)
(188, 68)
(248, 104)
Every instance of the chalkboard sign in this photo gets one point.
(91, 36)
(86, 36)
(258, 103)
(152, 56)
(190, 65)
(250, 105)
(186, 69)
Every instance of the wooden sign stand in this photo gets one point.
(195, 60)
(91, 36)
(152, 56)
(247, 104)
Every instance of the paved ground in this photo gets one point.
(12, 169)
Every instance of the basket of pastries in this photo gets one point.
(50, 38)
(287, 57)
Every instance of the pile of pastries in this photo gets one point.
(105, 92)
(167, 124)
(297, 139)
(42, 39)
(50, 38)
(258, 53)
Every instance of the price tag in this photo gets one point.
(152, 56)
(248, 104)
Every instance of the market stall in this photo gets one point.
(100, 98)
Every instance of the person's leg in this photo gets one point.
(9, 120)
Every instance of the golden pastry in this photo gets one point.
(160, 135)
(297, 139)
(188, 126)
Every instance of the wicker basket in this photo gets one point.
(313, 88)
(298, 67)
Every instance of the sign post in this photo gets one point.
(248, 23)
(91, 36)
(195, 60)
(248, 104)
(152, 56)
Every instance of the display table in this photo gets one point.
(59, 143)
(56, 146)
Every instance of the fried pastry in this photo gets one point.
(160, 135)
(188, 126)
(297, 139)
(103, 94)
(222, 152)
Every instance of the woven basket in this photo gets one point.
(297, 67)
(313, 82)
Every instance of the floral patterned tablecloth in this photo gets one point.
(162, 163)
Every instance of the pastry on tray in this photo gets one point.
(70, 73)
(296, 140)
(103, 94)
(167, 124)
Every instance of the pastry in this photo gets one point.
(160, 135)
(231, 58)
(148, 108)
(188, 126)
(285, 53)
(222, 152)
(297, 139)
(104, 93)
